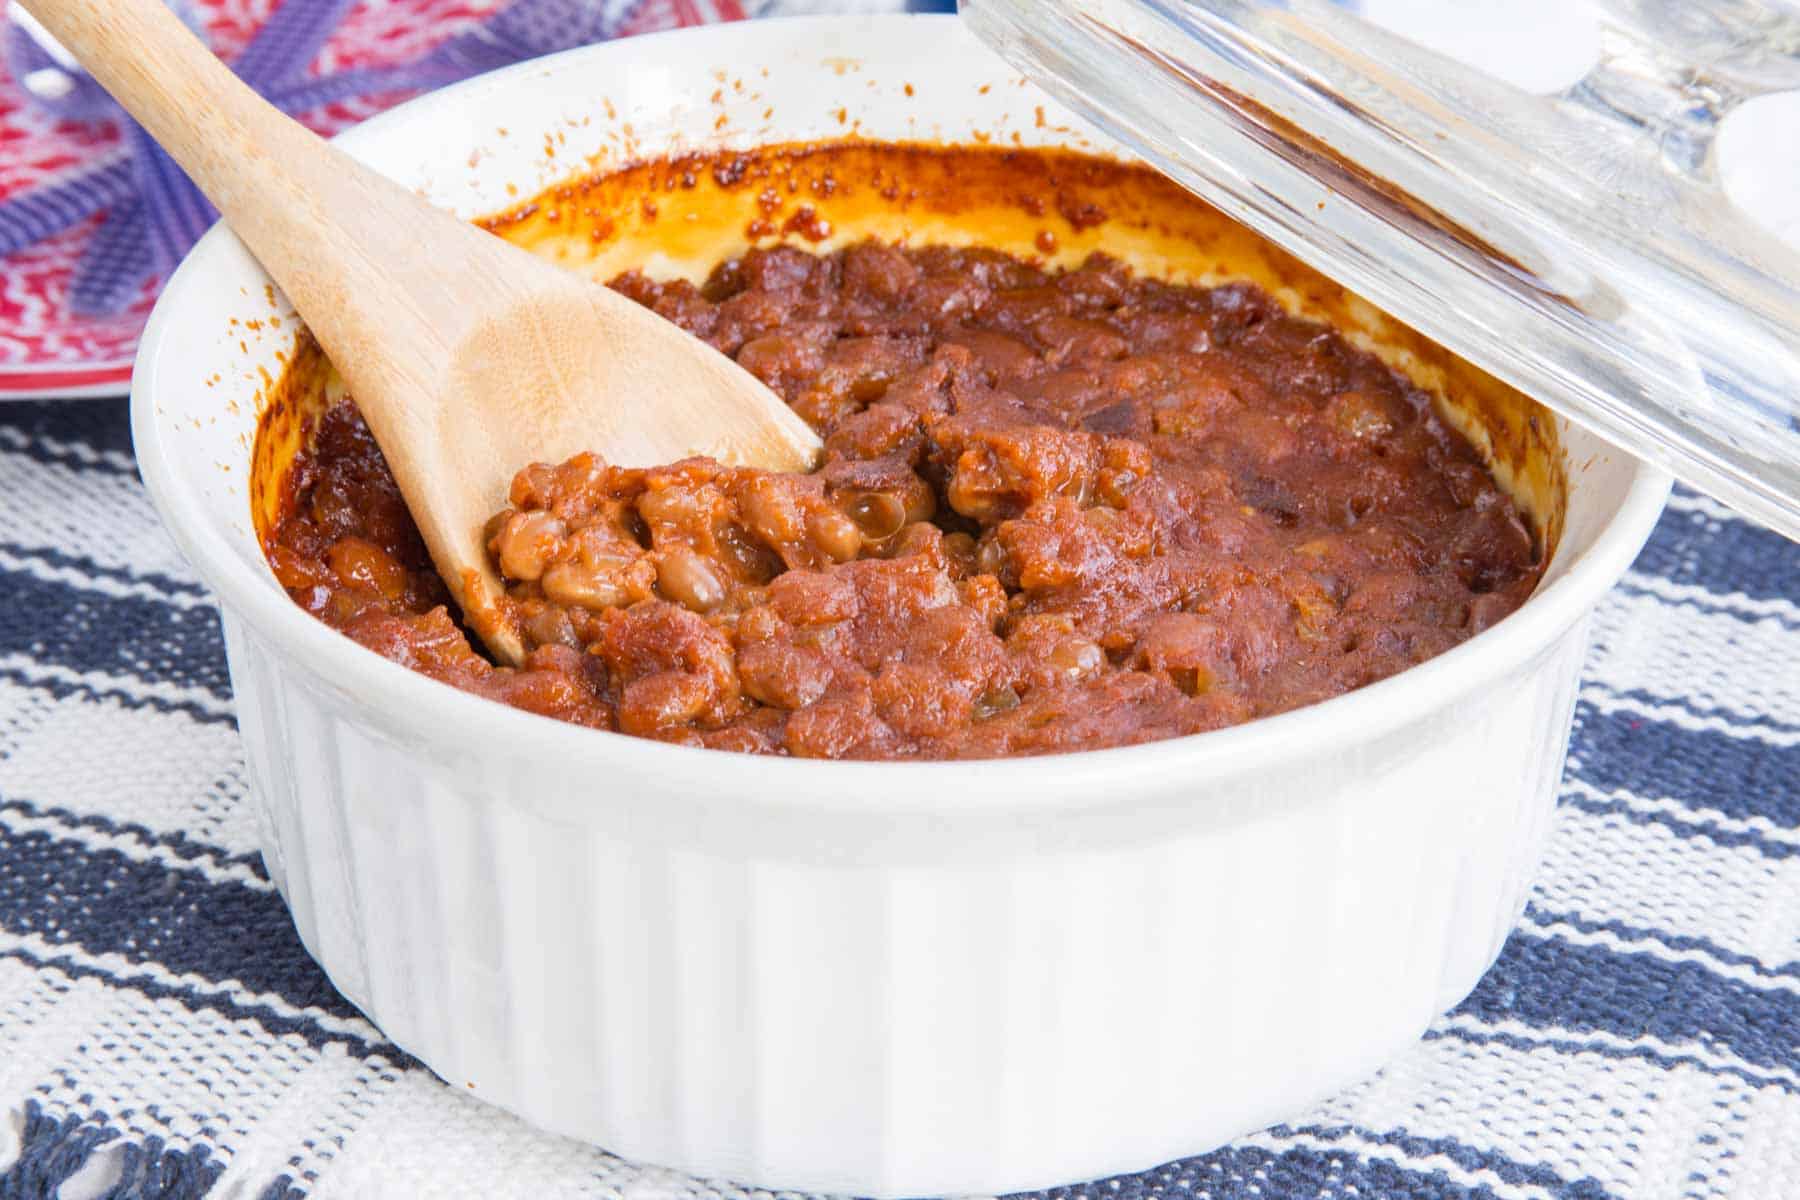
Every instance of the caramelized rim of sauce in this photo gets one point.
(678, 217)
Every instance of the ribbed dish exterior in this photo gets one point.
(829, 1017)
(883, 979)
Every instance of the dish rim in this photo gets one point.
(429, 711)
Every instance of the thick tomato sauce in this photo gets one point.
(1058, 511)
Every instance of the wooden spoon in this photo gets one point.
(468, 357)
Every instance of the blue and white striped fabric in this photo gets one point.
(162, 1033)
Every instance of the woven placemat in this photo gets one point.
(163, 1033)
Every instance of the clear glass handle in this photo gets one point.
(1578, 246)
(1675, 70)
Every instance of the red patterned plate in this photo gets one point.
(48, 351)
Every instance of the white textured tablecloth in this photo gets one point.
(162, 1032)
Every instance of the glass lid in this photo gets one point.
(1577, 245)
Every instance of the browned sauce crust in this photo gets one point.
(1058, 511)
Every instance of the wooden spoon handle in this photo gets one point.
(202, 114)
(324, 226)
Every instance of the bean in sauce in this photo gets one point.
(1058, 511)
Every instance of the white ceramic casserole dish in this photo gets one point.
(884, 979)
